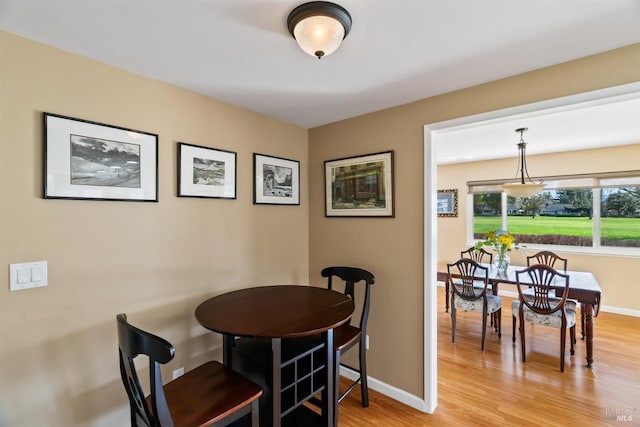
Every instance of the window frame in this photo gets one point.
(595, 182)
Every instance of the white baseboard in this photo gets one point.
(388, 390)
(618, 310)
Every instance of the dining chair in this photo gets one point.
(469, 281)
(551, 259)
(208, 395)
(479, 255)
(542, 307)
(347, 335)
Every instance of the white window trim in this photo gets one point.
(624, 252)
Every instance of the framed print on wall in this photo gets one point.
(94, 161)
(206, 172)
(360, 186)
(276, 181)
(447, 202)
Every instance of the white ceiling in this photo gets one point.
(600, 122)
(398, 51)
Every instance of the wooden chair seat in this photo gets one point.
(207, 395)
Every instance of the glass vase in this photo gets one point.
(501, 262)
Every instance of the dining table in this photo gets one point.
(583, 287)
(286, 331)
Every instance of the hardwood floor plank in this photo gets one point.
(496, 388)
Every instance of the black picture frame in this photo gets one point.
(447, 205)
(360, 186)
(87, 160)
(276, 180)
(206, 172)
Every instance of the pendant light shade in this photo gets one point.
(523, 188)
(319, 27)
(527, 189)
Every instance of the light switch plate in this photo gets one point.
(27, 275)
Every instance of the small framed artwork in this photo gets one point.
(95, 161)
(276, 180)
(206, 172)
(360, 186)
(447, 202)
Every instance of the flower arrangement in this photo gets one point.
(503, 242)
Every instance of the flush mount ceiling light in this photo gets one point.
(523, 188)
(319, 27)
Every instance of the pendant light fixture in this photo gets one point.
(319, 27)
(523, 188)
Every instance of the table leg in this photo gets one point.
(589, 327)
(329, 394)
(276, 360)
(227, 344)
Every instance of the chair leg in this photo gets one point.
(484, 328)
(513, 329)
(364, 387)
(563, 338)
(453, 321)
(498, 315)
(582, 320)
(522, 344)
(446, 296)
(572, 337)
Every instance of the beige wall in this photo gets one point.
(393, 248)
(154, 261)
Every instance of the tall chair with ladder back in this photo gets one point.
(209, 395)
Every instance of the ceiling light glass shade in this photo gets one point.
(319, 27)
(319, 35)
(522, 188)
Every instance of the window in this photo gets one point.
(602, 210)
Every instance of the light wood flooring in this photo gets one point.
(496, 388)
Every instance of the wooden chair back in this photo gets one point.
(133, 342)
(479, 255)
(352, 276)
(468, 279)
(544, 282)
(548, 258)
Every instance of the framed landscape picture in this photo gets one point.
(447, 202)
(360, 186)
(95, 161)
(206, 172)
(276, 181)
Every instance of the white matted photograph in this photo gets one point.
(276, 180)
(96, 161)
(206, 172)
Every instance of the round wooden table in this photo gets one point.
(277, 312)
